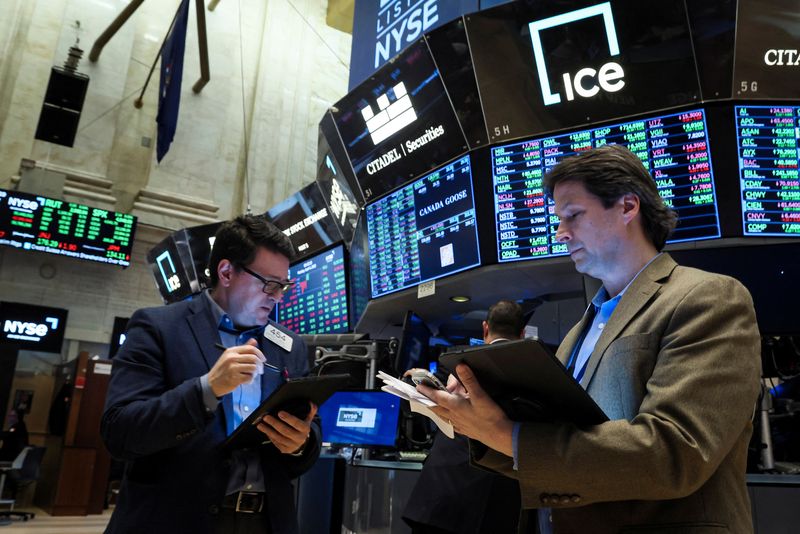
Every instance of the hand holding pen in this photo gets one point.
(236, 366)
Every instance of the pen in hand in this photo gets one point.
(269, 366)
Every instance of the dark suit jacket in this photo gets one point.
(677, 371)
(176, 472)
(455, 496)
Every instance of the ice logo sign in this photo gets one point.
(172, 281)
(395, 112)
(587, 81)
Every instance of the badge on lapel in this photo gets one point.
(281, 339)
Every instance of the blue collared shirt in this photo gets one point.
(246, 473)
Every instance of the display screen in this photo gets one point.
(33, 222)
(172, 270)
(767, 58)
(423, 231)
(768, 169)
(317, 304)
(360, 418)
(414, 344)
(305, 219)
(674, 149)
(30, 327)
(399, 123)
(336, 180)
(545, 66)
(199, 241)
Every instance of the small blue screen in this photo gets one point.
(360, 418)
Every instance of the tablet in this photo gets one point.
(528, 382)
(291, 396)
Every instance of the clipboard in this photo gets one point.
(528, 382)
(292, 396)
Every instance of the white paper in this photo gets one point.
(419, 403)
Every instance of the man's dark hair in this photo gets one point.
(238, 240)
(505, 319)
(611, 171)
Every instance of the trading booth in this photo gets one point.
(428, 207)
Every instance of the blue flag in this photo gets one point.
(169, 87)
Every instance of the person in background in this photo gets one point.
(670, 353)
(187, 376)
(15, 438)
(451, 496)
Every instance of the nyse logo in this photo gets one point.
(587, 81)
(395, 112)
(352, 417)
(29, 331)
(170, 276)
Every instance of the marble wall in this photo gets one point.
(247, 140)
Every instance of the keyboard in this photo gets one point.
(412, 456)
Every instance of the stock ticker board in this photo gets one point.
(317, 304)
(673, 148)
(32, 222)
(768, 169)
(423, 231)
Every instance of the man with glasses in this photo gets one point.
(187, 376)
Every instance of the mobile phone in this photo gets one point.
(426, 378)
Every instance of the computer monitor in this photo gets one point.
(674, 148)
(413, 350)
(424, 230)
(34, 222)
(317, 304)
(360, 418)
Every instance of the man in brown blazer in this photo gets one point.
(670, 353)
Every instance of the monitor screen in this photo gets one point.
(118, 335)
(766, 53)
(317, 304)
(399, 123)
(360, 418)
(33, 222)
(424, 230)
(304, 218)
(199, 240)
(413, 350)
(545, 66)
(768, 169)
(674, 149)
(336, 179)
(31, 327)
(358, 270)
(174, 277)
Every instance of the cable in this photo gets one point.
(244, 117)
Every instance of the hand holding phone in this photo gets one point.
(426, 378)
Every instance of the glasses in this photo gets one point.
(271, 287)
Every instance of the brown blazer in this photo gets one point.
(677, 371)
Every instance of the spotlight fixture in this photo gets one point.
(460, 298)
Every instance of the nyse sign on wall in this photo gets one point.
(381, 29)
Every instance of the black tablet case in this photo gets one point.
(528, 382)
(292, 396)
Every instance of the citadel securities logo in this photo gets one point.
(587, 81)
(395, 112)
(782, 57)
